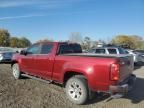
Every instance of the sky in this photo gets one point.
(57, 19)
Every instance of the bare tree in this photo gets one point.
(86, 44)
(75, 37)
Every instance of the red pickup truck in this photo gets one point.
(80, 73)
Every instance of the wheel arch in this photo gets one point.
(13, 62)
(69, 74)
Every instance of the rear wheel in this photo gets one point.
(77, 89)
(16, 71)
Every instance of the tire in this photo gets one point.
(77, 89)
(16, 71)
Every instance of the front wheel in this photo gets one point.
(16, 71)
(77, 89)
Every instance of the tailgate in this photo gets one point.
(126, 66)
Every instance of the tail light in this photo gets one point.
(114, 74)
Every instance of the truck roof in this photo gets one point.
(50, 42)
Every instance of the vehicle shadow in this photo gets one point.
(138, 65)
(24, 77)
(98, 98)
(136, 95)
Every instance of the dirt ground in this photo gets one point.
(29, 93)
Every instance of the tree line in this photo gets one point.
(129, 41)
(6, 40)
(125, 41)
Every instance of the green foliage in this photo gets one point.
(23, 42)
(128, 41)
(4, 37)
(7, 40)
(141, 45)
(138, 42)
(19, 42)
(14, 42)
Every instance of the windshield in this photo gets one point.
(122, 51)
(6, 49)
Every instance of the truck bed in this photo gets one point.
(126, 61)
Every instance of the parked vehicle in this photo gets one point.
(117, 50)
(6, 54)
(137, 57)
(81, 74)
(108, 50)
(141, 53)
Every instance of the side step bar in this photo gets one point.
(36, 78)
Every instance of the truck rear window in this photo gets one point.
(69, 48)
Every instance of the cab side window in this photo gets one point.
(100, 51)
(112, 51)
(46, 48)
(34, 49)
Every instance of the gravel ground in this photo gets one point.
(29, 93)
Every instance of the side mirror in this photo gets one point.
(17, 51)
(23, 52)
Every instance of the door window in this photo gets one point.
(112, 51)
(46, 48)
(34, 49)
(100, 51)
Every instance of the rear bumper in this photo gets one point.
(124, 86)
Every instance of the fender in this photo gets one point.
(74, 68)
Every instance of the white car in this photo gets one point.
(117, 50)
(108, 50)
(6, 54)
(141, 52)
(136, 56)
